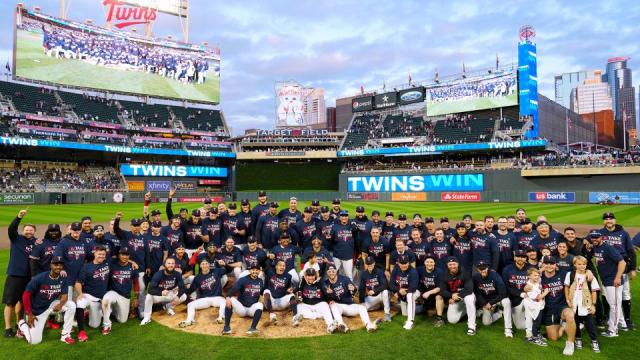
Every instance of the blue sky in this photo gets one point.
(339, 45)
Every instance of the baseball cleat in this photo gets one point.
(471, 331)
(8, 333)
(387, 317)
(273, 319)
(623, 328)
(52, 325)
(106, 330)
(296, 320)
(68, 340)
(568, 348)
(226, 331)
(220, 320)
(538, 340)
(408, 325)
(578, 343)
(342, 328)
(609, 334)
(145, 322)
(377, 322)
(508, 333)
(253, 332)
(371, 328)
(595, 346)
(438, 322)
(82, 336)
(184, 324)
(170, 312)
(331, 328)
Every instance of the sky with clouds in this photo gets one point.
(339, 45)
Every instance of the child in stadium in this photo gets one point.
(533, 300)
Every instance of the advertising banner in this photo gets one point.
(209, 182)
(16, 199)
(614, 197)
(460, 196)
(413, 95)
(362, 104)
(184, 185)
(552, 196)
(171, 171)
(416, 183)
(215, 199)
(409, 196)
(135, 185)
(158, 186)
(386, 100)
(363, 196)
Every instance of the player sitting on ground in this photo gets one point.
(279, 293)
(244, 300)
(208, 286)
(167, 288)
(313, 303)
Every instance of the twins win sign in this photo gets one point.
(439, 182)
(172, 171)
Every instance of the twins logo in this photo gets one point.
(51, 291)
(478, 242)
(308, 231)
(154, 245)
(454, 285)
(440, 252)
(284, 255)
(173, 239)
(121, 276)
(250, 259)
(214, 228)
(271, 224)
(419, 251)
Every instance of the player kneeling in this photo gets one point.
(314, 302)
(122, 279)
(404, 283)
(340, 290)
(208, 285)
(491, 292)
(166, 287)
(373, 291)
(430, 277)
(456, 289)
(45, 294)
(278, 294)
(247, 301)
(91, 286)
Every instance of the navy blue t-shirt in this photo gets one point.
(73, 254)
(45, 290)
(607, 259)
(94, 278)
(208, 285)
(429, 280)
(374, 281)
(555, 300)
(378, 250)
(248, 290)
(340, 292)
(121, 278)
(287, 254)
(156, 245)
(343, 241)
(278, 284)
(43, 253)
(20, 250)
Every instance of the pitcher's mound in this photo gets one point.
(206, 324)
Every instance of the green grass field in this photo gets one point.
(32, 63)
(556, 213)
(391, 341)
(457, 106)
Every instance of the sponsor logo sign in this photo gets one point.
(184, 185)
(410, 96)
(158, 185)
(362, 104)
(128, 15)
(171, 171)
(552, 196)
(135, 185)
(460, 196)
(409, 196)
(438, 149)
(363, 196)
(209, 182)
(386, 100)
(7, 199)
(416, 183)
(615, 197)
(286, 153)
(199, 199)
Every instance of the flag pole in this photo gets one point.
(566, 119)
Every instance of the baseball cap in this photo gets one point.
(344, 213)
(184, 210)
(336, 201)
(76, 226)
(430, 256)
(211, 244)
(285, 236)
(403, 259)
(233, 206)
(548, 260)
(156, 224)
(482, 265)
(402, 217)
(262, 193)
(312, 272)
(244, 202)
(444, 219)
(375, 212)
(308, 210)
(526, 221)
(53, 227)
(608, 215)
(360, 209)
(251, 239)
(329, 267)
(57, 260)
(155, 212)
(208, 200)
(213, 210)
(593, 234)
(467, 216)
(124, 250)
(180, 245)
(520, 253)
(452, 259)
(428, 219)
(315, 203)
(324, 209)
(254, 265)
(174, 217)
(98, 227)
(459, 225)
(136, 222)
(542, 222)
(388, 213)
(274, 205)
(369, 260)
(195, 212)
(531, 249)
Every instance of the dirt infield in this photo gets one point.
(580, 228)
(206, 324)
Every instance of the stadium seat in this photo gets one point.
(30, 99)
(91, 108)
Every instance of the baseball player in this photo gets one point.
(305, 228)
(97, 241)
(402, 231)
(335, 209)
(40, 257)
(245, 215)
(279, 293)
(287, 252)
(404, 284)
(419, 247)
(461, 249)
(343, 243)
(183, 265)
(122, 279)
(261, 208)
(401, 249)
(208, 285)
(323, 256)
(313, 302)
(91, 285)
(291, 214)
(388, 226)
(134, 240)
(44, 295)
(545, 238)
(315, 210)
(506, 242)
(157, 249)
(340, 291)
(72, 252)
(195, 233)
(251, 255)
(173, 233)
(456, 289)
(373, 291)
(441, 250)
(230, 258)
(490, 292)
(324, 226)
(515, 277)
(211, 256)
(526, 233)
(377, 247)
(86, 233)
(233, 226)
(267, 226)
(484, 246)
(244, 300)
(213, 226)
(167, 288)
(429, 288)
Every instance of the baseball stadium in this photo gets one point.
(462, 216)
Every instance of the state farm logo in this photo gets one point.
(460, 196)
(128, 15)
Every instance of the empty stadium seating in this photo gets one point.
(155, 115)
(199, 119)
(473, 133)
(30, 99)
(91, 108)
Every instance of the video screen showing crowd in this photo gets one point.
(322, 263)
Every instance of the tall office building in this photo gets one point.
(623, 94)
(592, 95)
(566, 82)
